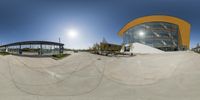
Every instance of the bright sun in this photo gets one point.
(72, 33)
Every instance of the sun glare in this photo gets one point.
(141, 33)
(72, 33)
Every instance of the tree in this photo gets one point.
(197, 44)
(104, 40)
(96, 47)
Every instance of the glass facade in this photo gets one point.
(50, 49)
(161, 35)
(13, 49)
(33, 48)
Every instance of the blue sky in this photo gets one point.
(22, 20)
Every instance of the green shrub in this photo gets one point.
(4, 53)
(59, 56)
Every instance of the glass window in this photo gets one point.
(156, 34)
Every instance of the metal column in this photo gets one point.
(40, 49)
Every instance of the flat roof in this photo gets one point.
(32, 42)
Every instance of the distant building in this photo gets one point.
(163, 32)
(40, 48)
(197, 48)
(109, 47)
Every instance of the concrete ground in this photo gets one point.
(85, 76)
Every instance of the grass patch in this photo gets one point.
(60, 56)
(4, 53)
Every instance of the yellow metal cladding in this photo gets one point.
(184, 27)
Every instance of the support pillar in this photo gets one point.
(20, 49)
(61, 49)
(41, 49)
(54, 50)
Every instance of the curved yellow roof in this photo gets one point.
(184, 27)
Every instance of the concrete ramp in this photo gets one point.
(143, 49)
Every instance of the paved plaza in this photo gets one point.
(85, 76)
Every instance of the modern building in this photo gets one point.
(41, 48)
(167, 33)
(197, 48)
